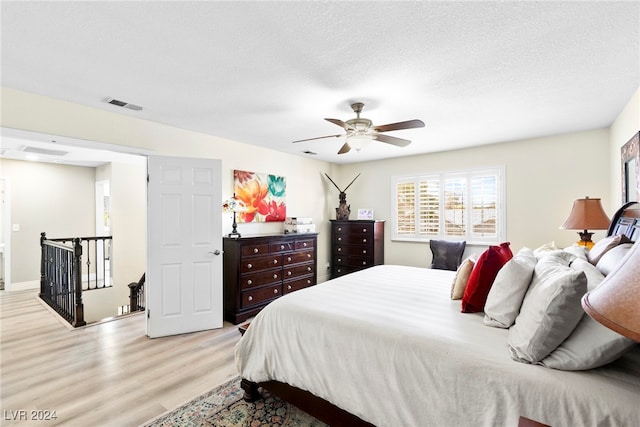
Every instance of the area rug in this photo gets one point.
(224, 407)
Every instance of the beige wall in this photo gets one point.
(49, 198)
(305, 183)
(543, 177)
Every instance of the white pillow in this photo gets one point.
(508, 290)
(589, 346)
(550, 311)
(578, 251)
(594, 276)
(610, 260)
(605, 245)
(545, 249)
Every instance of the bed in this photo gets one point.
(387, 346)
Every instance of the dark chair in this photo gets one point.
(447, 255)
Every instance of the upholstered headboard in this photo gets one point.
(626, 221)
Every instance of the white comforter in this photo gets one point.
(388, 345)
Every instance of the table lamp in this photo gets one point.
(586, 214)
(234, 205)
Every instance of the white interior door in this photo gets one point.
(184, 264)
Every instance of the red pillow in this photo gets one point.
(483, 275)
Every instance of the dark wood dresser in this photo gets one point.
(356, 245)
(258, 269)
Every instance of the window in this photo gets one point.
(467, 205)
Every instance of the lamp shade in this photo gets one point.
(233, 205)
(587, 214)
(616, 302)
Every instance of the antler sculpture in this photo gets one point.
(343, 210)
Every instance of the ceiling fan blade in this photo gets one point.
(340, 123)
(319, 137)
(345, 148)
(409, 124)
(393, 140)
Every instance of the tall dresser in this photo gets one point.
(356, 245)
(259, 269)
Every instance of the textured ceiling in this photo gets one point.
(267, 73)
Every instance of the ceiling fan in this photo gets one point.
(361, 131)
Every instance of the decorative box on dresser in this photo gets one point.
(356, 245)
(258, 269)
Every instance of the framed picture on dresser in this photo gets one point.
(630, 156)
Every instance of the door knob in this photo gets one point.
(216, 252)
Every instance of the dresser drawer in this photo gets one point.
(298, 257)
(249, 265)
(258, 296)
(305, 244)
(352, 261)
(298, 270)
(255, 250)
(354, 228)
(351, 250)
(352, 239)
(294, 285)
(260, 279)
(279, 247)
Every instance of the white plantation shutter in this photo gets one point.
(484, 218)
(455, 206)
(429, 206)
(405, 209)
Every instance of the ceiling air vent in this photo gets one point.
(123, 104)
(45, 151)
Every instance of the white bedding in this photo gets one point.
(389, 345)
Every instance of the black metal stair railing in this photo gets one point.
(62, 277)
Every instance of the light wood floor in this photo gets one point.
(110, 374)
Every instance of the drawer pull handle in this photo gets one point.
(339, 259)
(339, 228)
(364, 251)
(304, 244)
(288, 273)
(308, 282)
(275, 276)
(281, 247)
(255, 250)
(308, 268)
(339, 239)
(275, 261)
(249, 266)
(339, 249)
(364, 240)
(250, 298)
(289, 259)
(289, 287)
(249, 282)
(364, 262)
(275, 291)
(364, 230)
(308, 255)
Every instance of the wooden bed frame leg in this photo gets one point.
(251, 393)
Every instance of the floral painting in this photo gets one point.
(262, 194)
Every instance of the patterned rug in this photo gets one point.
(224, 407)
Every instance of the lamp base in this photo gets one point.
(234, 231)
(585, 239)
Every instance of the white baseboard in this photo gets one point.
(23, 286)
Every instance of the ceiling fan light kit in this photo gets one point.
(360, 131)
